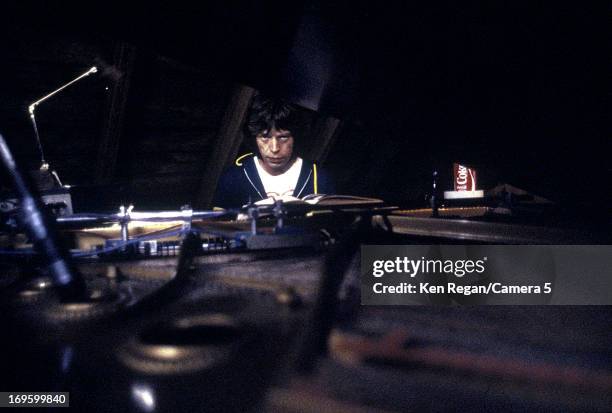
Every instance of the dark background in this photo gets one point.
(518, 90)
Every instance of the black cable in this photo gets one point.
(39, 227)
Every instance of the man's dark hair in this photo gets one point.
(267, 113)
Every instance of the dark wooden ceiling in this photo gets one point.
(517, 90)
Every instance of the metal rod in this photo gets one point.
(39, 101)
(43, 162)
(33, 106)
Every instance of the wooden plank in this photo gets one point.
(110, 142)
(227, 144)
(152, 169)
(179, 143)
(324, 134)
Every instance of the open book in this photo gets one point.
(322, 199)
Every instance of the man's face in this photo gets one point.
(275, 148)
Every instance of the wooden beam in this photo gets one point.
(108, 149)
(227, 145)
(324, 134)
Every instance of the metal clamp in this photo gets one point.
(279, 213)
(187, 213)
(124, 220)
(253, 213)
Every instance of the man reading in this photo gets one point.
(275, 170)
